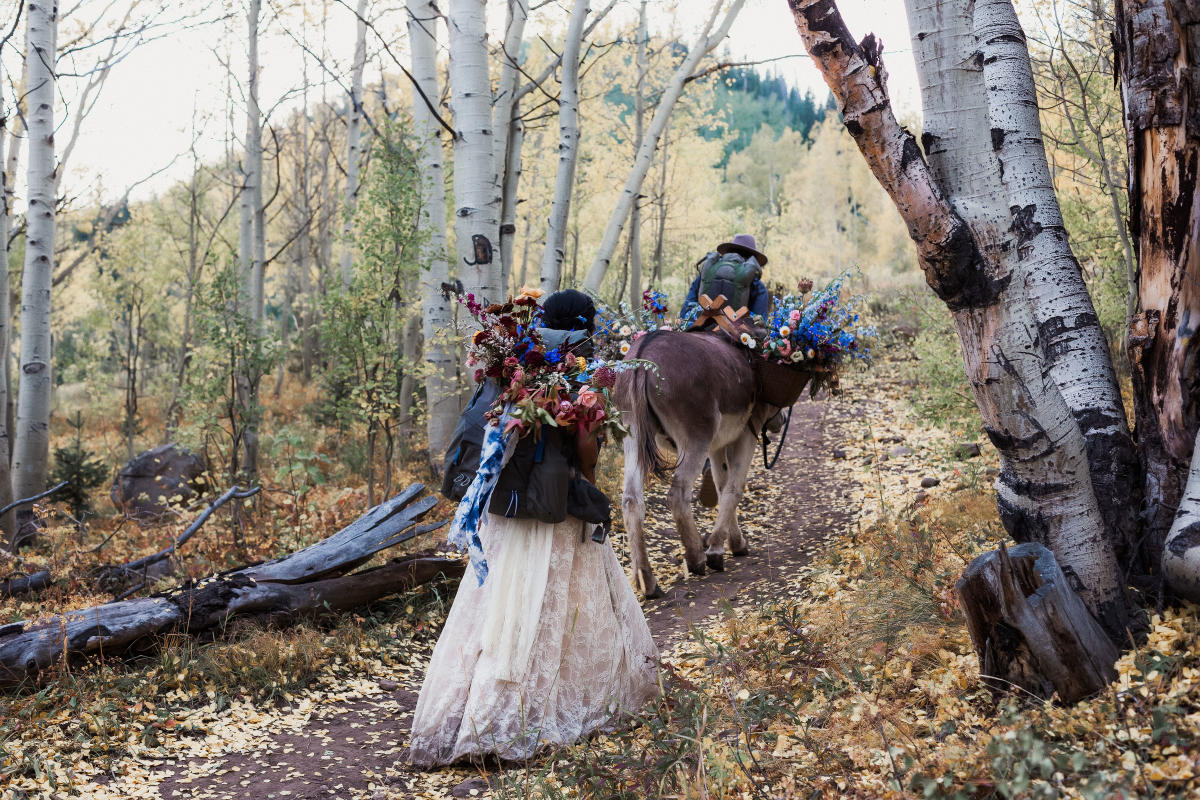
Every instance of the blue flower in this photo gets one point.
(553, 356)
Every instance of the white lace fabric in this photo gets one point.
(552, 647)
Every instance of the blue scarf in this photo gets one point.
(464, 532)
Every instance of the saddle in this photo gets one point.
(718, 312)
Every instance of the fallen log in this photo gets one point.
(25, 584)
(307, 582)
(1029, 629)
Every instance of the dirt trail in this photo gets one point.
(355, 747)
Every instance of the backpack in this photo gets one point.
(535, 482)
(731, 275)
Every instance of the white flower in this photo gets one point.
(624, 348)
(810, 353)
(796, 356)
(785, 331)
(748, 341)
(625, 331)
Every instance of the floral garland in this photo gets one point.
(540, 385)
(618, 328)
(817, 331)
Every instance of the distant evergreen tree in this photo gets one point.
(747, 100)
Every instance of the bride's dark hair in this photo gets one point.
(569, 310)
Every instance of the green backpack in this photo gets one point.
(731, 275)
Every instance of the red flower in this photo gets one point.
(605, 377)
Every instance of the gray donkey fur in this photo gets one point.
(702, 401)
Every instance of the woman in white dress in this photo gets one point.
(551, 647)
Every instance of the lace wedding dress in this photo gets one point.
(550, 648)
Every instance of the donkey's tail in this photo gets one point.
(644, 423)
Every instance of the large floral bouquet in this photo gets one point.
(817, 331)
(540, 385)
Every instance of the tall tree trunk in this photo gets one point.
(975, 263)
(568, 151)
(31, 450)
(704, 44)
(476, 223)
(251, 244)
(509, 131)
(639, 122)
(441, 399)
(1158, 87)
(660, 230)
(353, 142)
(1073, 344)
(7, 520)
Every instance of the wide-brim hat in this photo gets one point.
(743, 245)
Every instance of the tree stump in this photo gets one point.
(1030, 629)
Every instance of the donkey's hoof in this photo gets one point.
(655, 593)
(745, 551)
(696, 569)
(716, 561)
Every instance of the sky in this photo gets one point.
(174, 89)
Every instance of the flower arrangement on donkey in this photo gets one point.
(816, 331)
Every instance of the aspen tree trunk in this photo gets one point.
(509, 131)
(660, 230)
(508, 199)
(633, 183)
(568, 151)
(251, 242)
(441, 397)
(31, 450)
(1157, 68)
(1073, 344)
(639, 122)
(476, 223)
(8, 520)
(20, 130)
(958, 212)
(353, 142)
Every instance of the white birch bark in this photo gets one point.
(251, 241)
(704, 44)
(18, 132)
(506, 123)
(250, 199)
(1068, 330)
(7, 521)
(568, 151)
(476, 215)
(639, 124)
(1181, 556)
(1044, 491)
(508, 199)
(31, 450)
(441, 397)
(354, 142)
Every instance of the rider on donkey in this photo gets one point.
(735, 271)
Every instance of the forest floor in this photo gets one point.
(349, 740)
(831, 662)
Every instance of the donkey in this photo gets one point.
(703, 400)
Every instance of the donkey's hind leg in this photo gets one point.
(633, 511)
(735, 464)
(679, 497)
